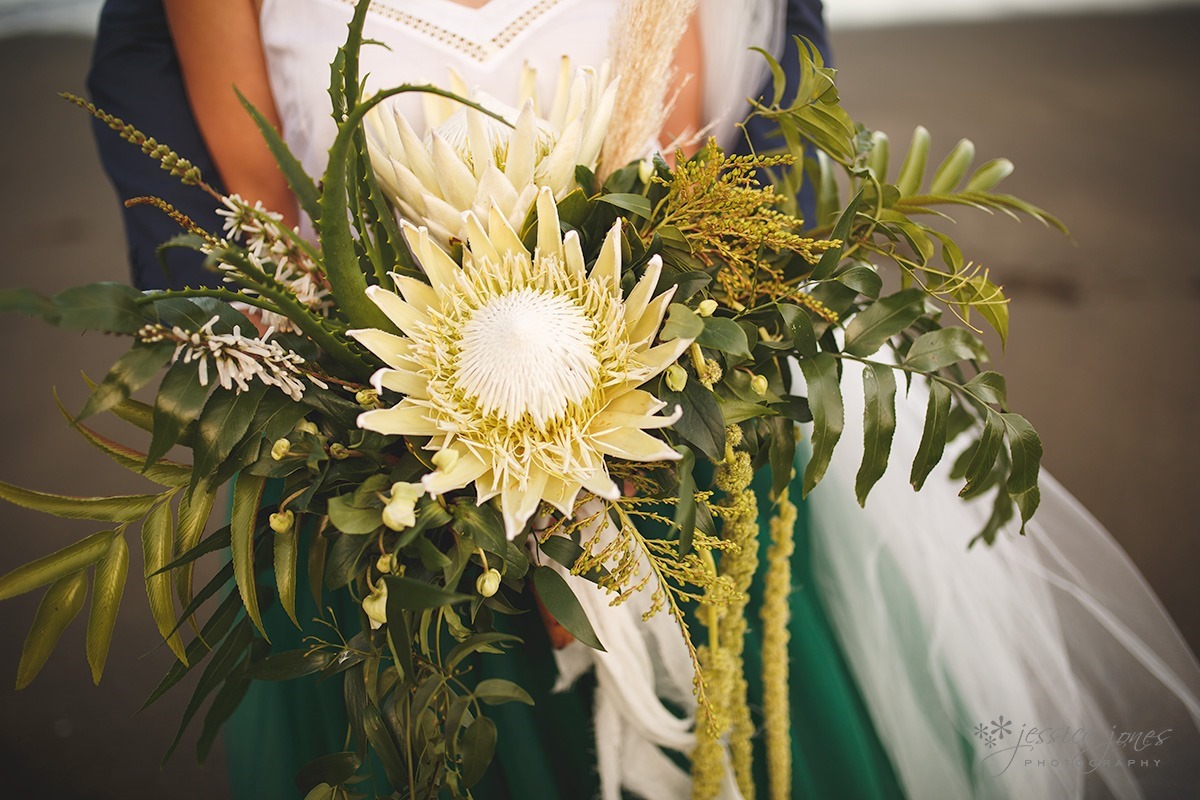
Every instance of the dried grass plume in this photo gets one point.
(643, 52)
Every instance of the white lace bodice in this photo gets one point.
(421, 42)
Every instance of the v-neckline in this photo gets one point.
(480, 33)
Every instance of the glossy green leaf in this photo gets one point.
(933, 436)
(480, 523)
(883, 319)
(226, 701)
(110, 307)
(223, 422)
(989, 387)
(286, 547)
(56, 566)
(415, 595)
(800, 327)
(164, 473)
(478, 747)
(156, 553)
(291, 664)
(349, 518)
(328, 771)
(497, 691)
(984, 457)
(912, 171)
(131, 372)
(861, 278)
(879, 424)
(243, 522)
(562, 604)
(1025, 449)
(118, 509)
(685, 509)
(179, 402)
(825, 400)
(682, 323)
(108, 585)
(214, 631)
(298, 180)
(701, 423)
(938, 349)
(59, 606)
(721, 333)
(194, 511)
(384, 745)
(878, 162)
(225, 659)
(954, 168)
(635, 204)
(841, 231)
(989, 175)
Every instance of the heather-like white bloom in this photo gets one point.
(523, 369)
(260, 231)
(470, 161)
(237, 360)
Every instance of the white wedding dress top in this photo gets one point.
(1055, 630)
(420, 41)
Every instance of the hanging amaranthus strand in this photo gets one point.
(739, 563)
(775, 618)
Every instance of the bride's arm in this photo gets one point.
(687, 115)
(218, 46)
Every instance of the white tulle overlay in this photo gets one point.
(1054, 632)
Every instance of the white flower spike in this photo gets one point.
(523, 369)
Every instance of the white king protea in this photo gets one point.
(523, 369)
(470, 161)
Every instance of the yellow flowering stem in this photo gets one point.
(775, 617)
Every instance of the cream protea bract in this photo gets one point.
(523, 369)
(470, 161)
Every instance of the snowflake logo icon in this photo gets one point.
(981, 730)
(1001, 727)
(989, 740)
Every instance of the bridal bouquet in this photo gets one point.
(513, 359)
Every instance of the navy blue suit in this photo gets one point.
(136, 76)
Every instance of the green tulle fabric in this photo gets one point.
(547, 751)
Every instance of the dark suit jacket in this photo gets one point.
(135, 75)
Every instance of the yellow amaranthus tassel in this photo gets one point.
(775, 616)
(708, 759)
(738, 564)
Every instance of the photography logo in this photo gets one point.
(1003, 744)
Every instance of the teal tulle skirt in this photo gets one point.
(546, 751)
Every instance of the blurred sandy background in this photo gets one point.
(1098, 112)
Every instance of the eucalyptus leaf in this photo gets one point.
(56, 566)
(562, 604)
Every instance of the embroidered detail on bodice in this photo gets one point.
(439, 30)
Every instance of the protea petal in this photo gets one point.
(574, 254)
(478, 241)
(503, 237)
(391, 349)
(438, 267)
(658, 358)
(466, 469)
(651, 319)
(521, 158)
(635, 445)
(401, 420)
(639, 298)
(417, 294)
(454, 177)
(407, 318)
(403, 381)
(608, 265)
(549, 237)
